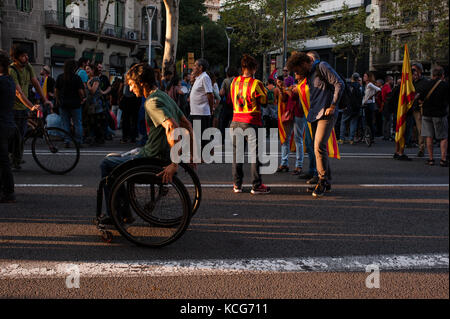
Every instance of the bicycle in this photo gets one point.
(144, 210)
(53, 149)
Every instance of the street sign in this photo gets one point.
(191, 60)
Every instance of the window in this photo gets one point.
(119, 18)
(93, 15)
(24, 5)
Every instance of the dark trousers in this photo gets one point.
(205, 122)
(21, 119)
(252, 145)
(6, 177)
(369, 112)
(226, 116)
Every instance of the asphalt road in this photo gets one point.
(378, 208)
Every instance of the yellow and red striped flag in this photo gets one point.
(405, 100)
(282, 127)
(332, 145)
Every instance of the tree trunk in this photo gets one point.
(170, 46)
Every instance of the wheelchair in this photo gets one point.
(144, 210)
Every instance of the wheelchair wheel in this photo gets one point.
(55, 151)
(147, 212)
(189, 178)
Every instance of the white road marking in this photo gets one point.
(159, 268)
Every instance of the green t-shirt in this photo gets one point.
(159, 107)
(23, 78)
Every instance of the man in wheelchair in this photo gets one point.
(162, 117)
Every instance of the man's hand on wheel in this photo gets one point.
(168, 173)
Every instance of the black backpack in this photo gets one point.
(354, 95)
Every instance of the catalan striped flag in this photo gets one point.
(248, 95)
(405, 101)
(283, 128)
(332, 145)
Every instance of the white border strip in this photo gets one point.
(159, 268)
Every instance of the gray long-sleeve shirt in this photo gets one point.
(325, 87)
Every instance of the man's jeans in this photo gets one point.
(299, 128)
(420, 139)
(108, 164)
(353, 126)
(321, 131)
(252, 143)
(75, 115)
(310, 150)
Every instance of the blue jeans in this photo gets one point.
(299, 128)
(75, 115)
(310, 150)
(353, 126)
(108, 164)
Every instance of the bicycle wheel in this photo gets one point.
(141, 207)
(55, 151)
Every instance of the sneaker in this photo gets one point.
(341, 141)
(443, 163)
(261, 190)
(327, 187)
(420, 154)
(352, 142)
(403, 157)
(282, 169)
(237, 189)
(313, 180)
(320, 189)
(396, 156)
(297, 171)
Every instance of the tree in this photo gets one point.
(425, 27)
(170, 45)
(258, 23)
(349, 27)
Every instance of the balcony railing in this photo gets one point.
(60, 19)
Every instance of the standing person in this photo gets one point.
(130, 106)
(270, 113)
(288, 79)
(351, 113)
(70, 94)
(227, 110)
(386, 92)
(435, 100)
(23, 75)
(48, 87)
(248, 95)
(167, 77)
(96, 111)
(370, 91)
(326, 88)
(420, 84)
(202, 97)
(116, 95)
(379, 109)
(81, 71)
(105, 87)
(217, 108)
(7, 129)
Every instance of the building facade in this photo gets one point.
(212, 9)
(56, 30)
(324, 15)
(386, 56)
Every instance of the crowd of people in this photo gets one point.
(82, 100)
